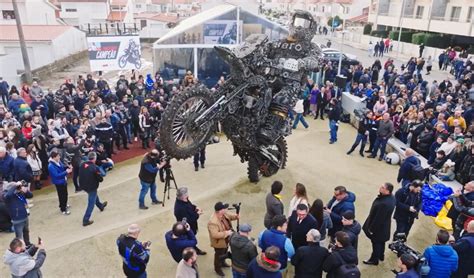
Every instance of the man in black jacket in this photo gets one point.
(243, 250)
(299, 223)
(334, 114)
(148, 169)
(308, 260)
(351, 227)
(89, 179)
(342, 253)
(362, 133)
(465, 249)
(135, 254)
(407, 207)
(377, 224)
(183, 208)
(105, 133)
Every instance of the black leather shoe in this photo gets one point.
(157, 203)
(200, 252)
(369, 262)
(104, 204)
(143, 207)
(87, 223)
(220, 272)
(371, 156)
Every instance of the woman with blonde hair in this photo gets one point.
(299, 197)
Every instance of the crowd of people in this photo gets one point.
(47, 134)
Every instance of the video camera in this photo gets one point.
(236, 207)
(22, 184)
(399, 247)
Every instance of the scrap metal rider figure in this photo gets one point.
(298, 52)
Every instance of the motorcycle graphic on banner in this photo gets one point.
(108, 53)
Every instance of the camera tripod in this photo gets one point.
(168, 178)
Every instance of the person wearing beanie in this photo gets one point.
(351, 227)
(243, 250)
(220, 228)
(266, 265)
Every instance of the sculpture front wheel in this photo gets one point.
(180, 136)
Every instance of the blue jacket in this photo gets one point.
(6, 167)
(177, 245)
(16, 203)
(276, 238)
(14, 105)
(339, 209)
(443, 260)
(22, 169)
(405, 169)
(58, 173)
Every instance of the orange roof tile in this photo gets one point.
(116, 16)
(33, 32)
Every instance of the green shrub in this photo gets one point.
(439, 41)
(405, 37)
(367, 29)
(379, 33)
(337, 19)
(419, 38)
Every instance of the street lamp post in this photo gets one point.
(400, 28)
(21, 37)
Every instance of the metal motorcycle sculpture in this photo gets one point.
(252, 105)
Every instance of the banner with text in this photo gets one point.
(108, 53)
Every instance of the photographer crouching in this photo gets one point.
(220, 229)
(184, 209)
(135, 254)
(148, 170)
(179, 238)
(21, 259)
(15, 196)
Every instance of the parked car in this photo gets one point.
(334, 58)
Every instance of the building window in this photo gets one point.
(322, 9)
(138, 6)
(455, 13)
(8, 14)
(419, 11)
(346, 10)
(71, 10)
(470, 15)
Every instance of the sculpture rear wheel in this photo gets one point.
(259, 165)
(180, 136)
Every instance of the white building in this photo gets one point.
(454, 17)
(46, 44)
(31, 12)
(121, 11)
(155, 25)
(323, 10)
(82, 12)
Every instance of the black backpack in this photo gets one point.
(346, 270)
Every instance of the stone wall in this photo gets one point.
(42, 72)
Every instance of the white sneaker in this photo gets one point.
(67, 212)
(68, 206)
(136, 139)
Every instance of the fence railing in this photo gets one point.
(110, 28)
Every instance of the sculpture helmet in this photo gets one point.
(302, 25)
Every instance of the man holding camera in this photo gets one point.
(220, 229)
(21, 259)
(149, 167)
(184, 209)
(135, 254)
(15, 196)
(179, 238)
